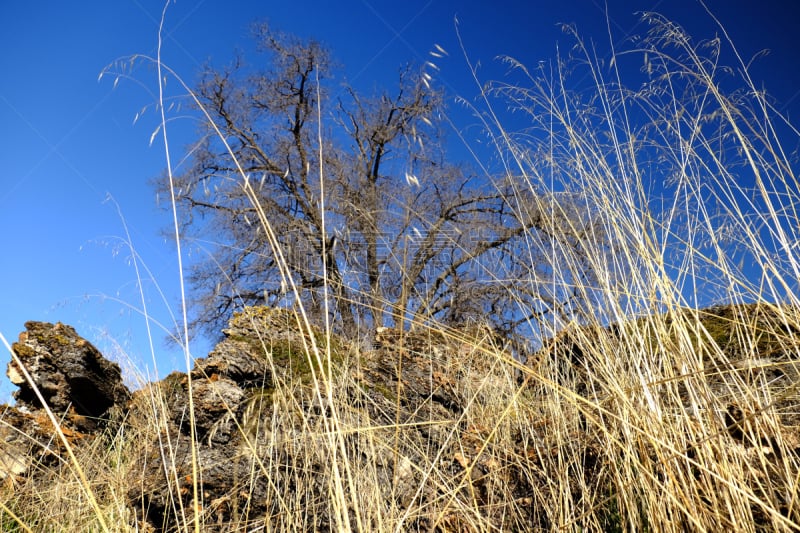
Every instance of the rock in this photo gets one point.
(262, 426)
(69, 371)
(729, 374)
(419, 421)
(79, 385)
(256, 406)
(214, 398)
(734, 347)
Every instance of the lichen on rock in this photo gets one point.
(69, 372)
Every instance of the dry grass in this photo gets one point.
(672, 420)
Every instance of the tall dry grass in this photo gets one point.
(688, 177)
(690, 199)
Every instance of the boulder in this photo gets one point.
(70, 373)
(79, 386)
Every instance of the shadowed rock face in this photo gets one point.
(79, 385)
(68, 371)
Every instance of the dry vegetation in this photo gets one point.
(641, 414)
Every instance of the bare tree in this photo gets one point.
(269, 119)
(370, 216)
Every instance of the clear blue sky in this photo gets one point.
(69, 142)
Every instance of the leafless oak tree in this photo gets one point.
(369, 214)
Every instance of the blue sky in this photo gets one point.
(76, 168)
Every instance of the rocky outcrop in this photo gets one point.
(80, 387)
(281, 414)
(738, 347)
(729, 374)
(255, 405)
(69, 372)
(257, 401)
